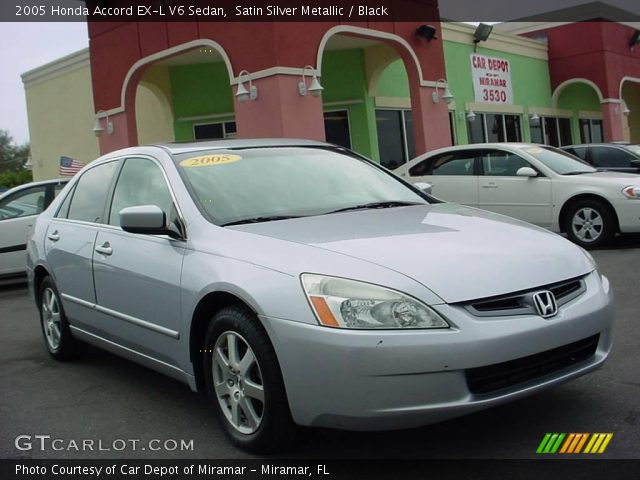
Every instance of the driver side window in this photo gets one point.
(496, 163)
(23, 204)
(141, 182)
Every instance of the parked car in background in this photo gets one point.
(18, 209)
(299, 283)
(616, 157)
(535, 183)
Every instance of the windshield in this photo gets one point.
(635, 149)
(263, 184)
(559, 161)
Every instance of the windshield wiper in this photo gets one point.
(575, 173)
(387, 204)
(270, 218)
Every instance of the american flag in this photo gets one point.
(69, 167)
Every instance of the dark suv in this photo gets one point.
(616, 157)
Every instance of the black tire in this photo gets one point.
(590, 223)
(55, 328)
(261, 426)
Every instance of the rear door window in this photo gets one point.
(458, 163)
(90, 194)
(610, 157)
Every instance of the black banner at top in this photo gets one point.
(317, 10)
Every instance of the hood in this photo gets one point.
(459, 253)
(622, 178)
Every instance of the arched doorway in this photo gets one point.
(630, 95)
(182, 93)
(374, 87)
(583, 99)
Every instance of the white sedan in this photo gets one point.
(535, 183)
(18, 209)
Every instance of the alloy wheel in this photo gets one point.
(238, 383)
(587, 224)
(51, 318)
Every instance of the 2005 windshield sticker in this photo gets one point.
(210, 160)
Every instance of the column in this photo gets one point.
(280, 111)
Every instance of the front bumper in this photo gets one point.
(376, 380)
(628, 212)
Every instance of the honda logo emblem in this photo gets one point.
(545, 302)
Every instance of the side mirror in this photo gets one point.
(424, 187)
(526, 172)
(635, 163)
(146, 220)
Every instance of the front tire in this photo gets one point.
(244, 382)
(57, 336)
(590, 223)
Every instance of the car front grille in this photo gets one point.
(492, 378)
(521, 303)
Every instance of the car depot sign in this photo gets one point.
(491, 79)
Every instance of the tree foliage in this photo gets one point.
(12, 161)
(14, 178)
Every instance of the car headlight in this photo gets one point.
(632, 191)
(342, 303)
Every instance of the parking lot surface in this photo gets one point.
(115, 403)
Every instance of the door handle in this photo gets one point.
(54, 236)
(489, 186)
(104, 249)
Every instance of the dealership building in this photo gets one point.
(389, 90)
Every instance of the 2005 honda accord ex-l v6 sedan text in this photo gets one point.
(298, 283)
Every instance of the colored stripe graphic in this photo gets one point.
(574, 443)
(550, 443)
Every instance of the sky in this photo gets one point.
(24, 46)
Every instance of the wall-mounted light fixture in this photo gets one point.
(314, 88)
(428, 32)
(481, 34)
(97, 126)
(471, 116)
(446, 94)
(634, 40)
(242, 94)
(534, 119)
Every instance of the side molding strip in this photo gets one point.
(122, 316)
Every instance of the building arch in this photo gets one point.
(571, 81)
(127, 94)
(401, 46)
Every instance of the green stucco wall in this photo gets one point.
(343, 79)
(393, 81)
(576, 97)
(530, 78)
(199, 89)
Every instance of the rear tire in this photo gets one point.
(57, 335)
(244, 382)
(590, 223)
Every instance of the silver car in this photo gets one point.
(300, 284)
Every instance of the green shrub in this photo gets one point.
(14, 178)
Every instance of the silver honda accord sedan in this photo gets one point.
(297, 283)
